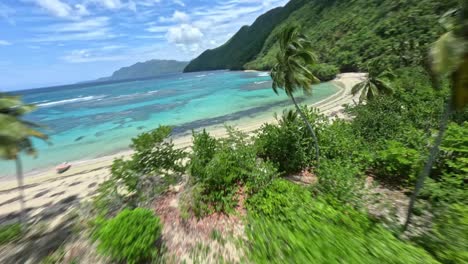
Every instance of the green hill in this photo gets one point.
(348, 34)
(245, 44)
(147, 69)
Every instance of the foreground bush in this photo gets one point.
(279, 201)
(219, 167)
(288, 144)
(340, 181)
(135, 182)
(9, 233)
(339, 141)
(130, 236)
(397, 163)
(450, 185)
(447, 240)
(317, 233)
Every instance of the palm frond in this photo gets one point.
(357, 88)
(15, 133)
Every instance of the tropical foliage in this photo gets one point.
(288, 225)
(373, 86)
(15, 132)
(348, 34)
(292, 73)
(130, 236)
(134, 182)
(220, 168)
(15, 136)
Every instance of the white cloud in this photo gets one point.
(81, 10)
(4, 43)
(60, 8)
(184, 34)
(157, 29)
(180, 16)
(85, 25)
(148, 3)
(177, 16)
(55, 7)
(76, 36)
(88, 55)
(115, 4)
(7, 13)
(109, 4)
(96, 28)
(179, 2)
(112, 47)
(132, 5)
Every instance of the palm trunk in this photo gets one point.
(309, 126)
(430, 161)
(19, 175)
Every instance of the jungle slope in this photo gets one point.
(348, 34)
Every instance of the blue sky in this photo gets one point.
(51, 42)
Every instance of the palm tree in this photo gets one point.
(449, 58)
(292, 71)
(374, 85)
(15, 137)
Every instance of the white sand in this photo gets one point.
(46, 188)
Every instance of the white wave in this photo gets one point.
(40, 102)
(68, 101)
(260, 82)
(199, 76)
(263, 74)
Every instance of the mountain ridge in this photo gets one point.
(348, 34)
(146, 69)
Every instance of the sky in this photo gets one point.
(54, 42)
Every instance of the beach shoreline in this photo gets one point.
(85, 175)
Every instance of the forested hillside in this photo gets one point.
(347, 34)
(147, 69)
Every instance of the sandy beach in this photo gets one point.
(45, 188)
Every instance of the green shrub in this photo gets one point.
(325, 72)
(220, 167)
(288, 226)
(155, 152)
(397, 163)
(287, 144)
(414, 106)
(339, 141)
(279, 200)
(130, 236)
(448, 238)
(135, 182)
(203, 149)
(449, 184)
(9, 233)
(340, 181)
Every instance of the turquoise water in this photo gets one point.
(87, 121)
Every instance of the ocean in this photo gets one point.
(85, 121)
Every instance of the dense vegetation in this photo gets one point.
(347, 34)
(147, 69)
(261, 176)
(290, 226)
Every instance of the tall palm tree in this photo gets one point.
(449, 58)
(292, 71)
(374, 85)
(15, 137)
